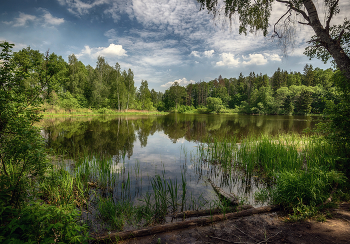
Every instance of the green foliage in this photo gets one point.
(23, 155)
(115, 213)
(185, 108)
(42, 223)
(310, 187)
(69, 102)
(336, 126)
(214, 104)
(22, 150)
(317, 51)
(104, 111)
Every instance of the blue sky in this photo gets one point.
(162, 41)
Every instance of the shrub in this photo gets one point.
(42, 223)
(104, 111)
(308, 187)
(214, 104)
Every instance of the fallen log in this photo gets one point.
(227, 196)
(198, 213)
(116, 236)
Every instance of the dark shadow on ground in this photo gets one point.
(263, 228)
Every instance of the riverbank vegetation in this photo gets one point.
(301, 172)
(47, 201)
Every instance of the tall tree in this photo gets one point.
(77, 75)
(177, 94)
(308, 78)
(22, 149)
(117, 92)
(130, 87)
(328, 41)
(145, 96)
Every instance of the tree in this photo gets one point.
(130, 88)
(145, 96)
(117, 92)
(177, 94)
(214, 104)
(309, 76)
(77, 76)
(22, 150)
(46, 70)
(328, 41)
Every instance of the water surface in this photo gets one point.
(144, 146)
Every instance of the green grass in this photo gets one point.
(299, 171)
(49, 111)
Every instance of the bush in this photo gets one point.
(104, 111)
(69, 102)
(307, 187)
(214, 104)
(42, 223)
(184, 108)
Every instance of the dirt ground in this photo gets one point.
(262, 228)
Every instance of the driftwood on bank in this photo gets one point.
(206, 212)
(227, 196)
(183, 224)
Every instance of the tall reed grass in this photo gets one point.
(299, 170)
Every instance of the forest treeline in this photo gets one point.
(75, 85)
(283, 93)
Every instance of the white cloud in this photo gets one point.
(228, 59)
(62, 2)
(273, 57)
(45, 19)
(195, 54)
(79, 7)
(182, 82)
(111, 51)
(161, 57)
(257, 59)
(23, 19)
(208, 53)
(49, 19)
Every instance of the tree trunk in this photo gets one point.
(118, 102)
(181, 225)
(230, 198)
(127, 104)
(332, 45)
(206, 212)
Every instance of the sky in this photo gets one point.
(161, 41)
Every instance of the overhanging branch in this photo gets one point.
(331, 13)
(274, 26)
(292, 7)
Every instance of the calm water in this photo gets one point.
(166, 145)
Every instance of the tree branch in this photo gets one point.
(291, 6)
(340, 35)
(274, 26)
(331, 13)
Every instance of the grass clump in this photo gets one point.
(311, 187)
(299, 171)
(302, 192)
(115, 213)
